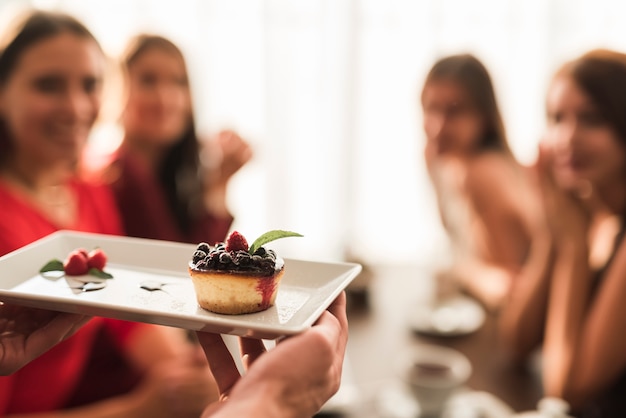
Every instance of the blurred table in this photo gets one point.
(380, 334)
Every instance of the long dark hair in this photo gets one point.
(601, 74)
(34, 27)
(179, 172)
(472, 75)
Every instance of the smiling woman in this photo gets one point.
(486, 200)
(573, 301)
(314, 84)
(169, 183)
(51, 70)
(50, 98)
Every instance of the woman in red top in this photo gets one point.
(164, 187)
(50, 78)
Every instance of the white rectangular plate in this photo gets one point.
(305, 291)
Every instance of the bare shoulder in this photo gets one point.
(492, 169)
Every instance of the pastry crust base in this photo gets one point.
(235, 294)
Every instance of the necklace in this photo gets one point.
(56, 202)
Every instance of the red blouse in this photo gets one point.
(21, 224)
(49, 381)
(144, 209)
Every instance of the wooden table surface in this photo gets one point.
(380, 335)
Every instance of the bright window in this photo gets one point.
(326, 91)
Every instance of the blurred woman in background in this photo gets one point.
(51, 70)
(168, 183)
(572, 296)
(484, 196)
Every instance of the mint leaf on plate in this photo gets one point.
(101, 274)
(52, 265)
(269, 237)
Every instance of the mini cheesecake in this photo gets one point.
(229, 280)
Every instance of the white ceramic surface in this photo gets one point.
(306, 290)
(454, 316)
(433, 374)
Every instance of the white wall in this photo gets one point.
(326, 91)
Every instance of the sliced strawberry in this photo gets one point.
(236, 242)
(75, 264)
(97, 259)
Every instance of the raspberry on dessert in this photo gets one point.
(236, 242)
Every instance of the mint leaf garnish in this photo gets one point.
(52, 265)
(101, 274)
(269, 237)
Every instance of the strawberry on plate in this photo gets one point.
(75, 263)
(97, 259)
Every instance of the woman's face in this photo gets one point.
(158, 109)
(451, 120)
(51, 99)
(586, 147)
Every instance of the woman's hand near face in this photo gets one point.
(230, 153)
(26, 333)
(431, 152)
(294, 379)
(224, 156)
(567, 215)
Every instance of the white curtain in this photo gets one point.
(327, 93)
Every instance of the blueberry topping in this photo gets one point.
(199, 255)
(262, 263)
(225, 258)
